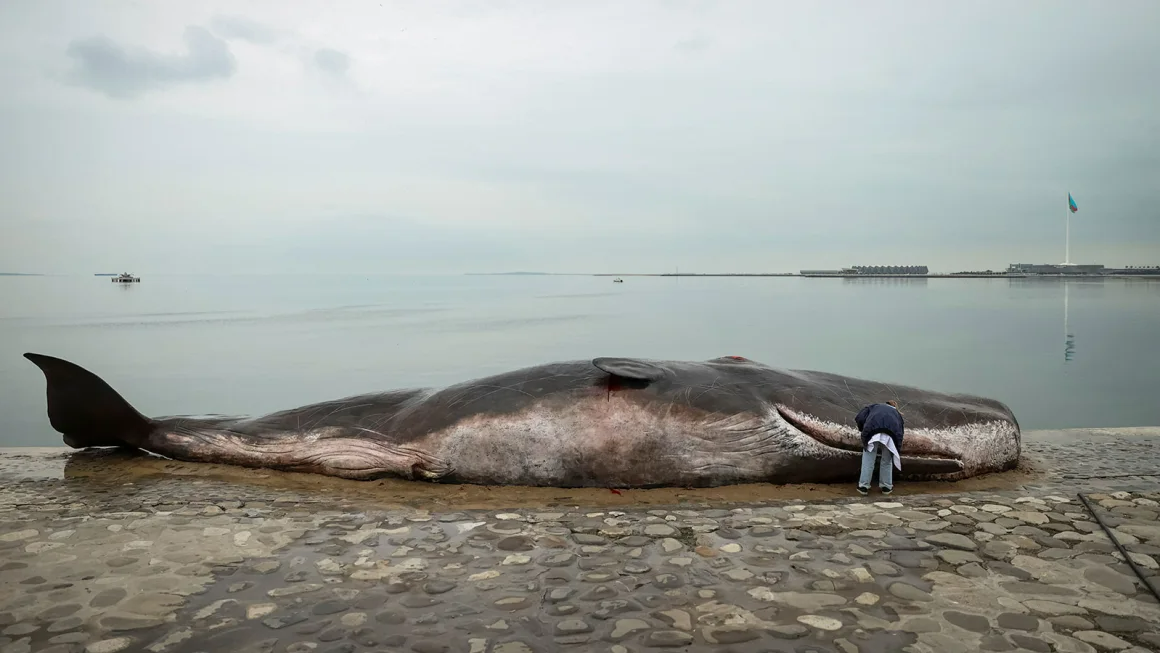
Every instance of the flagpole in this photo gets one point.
(1067, 235)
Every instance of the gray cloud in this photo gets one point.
(331, 61)
(119, 72)
(244, 29)
(328, 60)
(691, 45)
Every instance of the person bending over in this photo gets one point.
(882, 430)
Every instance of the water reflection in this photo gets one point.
(1069, 339)
(1068, 336)
(1034, 282)
(884, 281)
(1146, 283)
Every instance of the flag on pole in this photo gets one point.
(1071, 203)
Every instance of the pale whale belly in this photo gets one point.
(606, 443)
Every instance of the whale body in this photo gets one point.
(605, 422)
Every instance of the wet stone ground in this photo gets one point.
(185, 566)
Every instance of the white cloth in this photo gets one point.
(884, 440)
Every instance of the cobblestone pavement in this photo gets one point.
(186, 565)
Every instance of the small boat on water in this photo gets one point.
(125, 277)
(618, 280)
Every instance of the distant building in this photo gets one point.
(1053, 268)
(868, 269)
(890, 269)
(1019, 269)
(1136, 270)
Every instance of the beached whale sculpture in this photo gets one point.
(608, 422)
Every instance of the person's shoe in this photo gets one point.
(887, 490)
(863, 490)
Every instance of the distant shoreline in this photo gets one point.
(951, 275)
(945, 275)
(698, 274)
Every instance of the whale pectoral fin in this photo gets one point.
(428, 472)
(630, 368)
(426, 467)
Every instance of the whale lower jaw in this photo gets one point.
(934, 465)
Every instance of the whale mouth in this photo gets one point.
(919, 454)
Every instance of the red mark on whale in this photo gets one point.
(613, 385)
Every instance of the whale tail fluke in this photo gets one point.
(86, 410)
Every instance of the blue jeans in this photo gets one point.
(885, 467)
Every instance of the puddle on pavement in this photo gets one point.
(118, 467)
(36, 463)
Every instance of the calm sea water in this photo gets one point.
(1061, 354)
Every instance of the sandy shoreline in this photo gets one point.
(112, 467)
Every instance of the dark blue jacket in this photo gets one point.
(880, 418)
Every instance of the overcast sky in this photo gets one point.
(428, 136)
